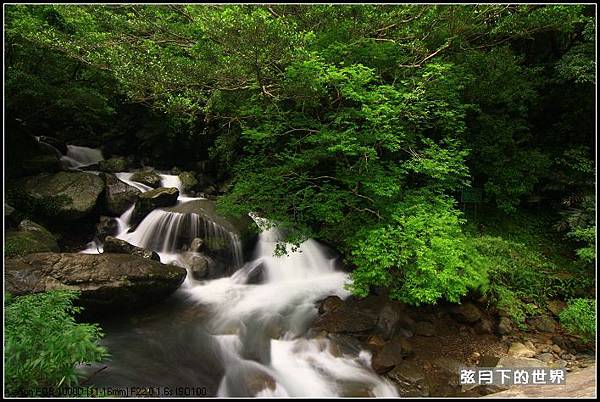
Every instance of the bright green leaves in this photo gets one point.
(44, 343)
(579, 318)
(421, 256)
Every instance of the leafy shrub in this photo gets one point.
(579, 317)
(517, 276)
(43, 343)
(422, 257)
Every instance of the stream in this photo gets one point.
(235, 335)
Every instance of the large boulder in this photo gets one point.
(157, 198)
(147, 177)
(65, 196)
(118, 246)
(243, 226)
(106, 281)
(119, 196)
(28, 238)
(113, 165)
(188, 181)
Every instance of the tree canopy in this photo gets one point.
(358, 125)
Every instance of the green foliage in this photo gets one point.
(43, 343)
(21, 243)
(421, 256)
(579, 317)
(350, 124)
(518, 276)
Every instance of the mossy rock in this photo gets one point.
(29, 238)
(70, 195)
(150, 200)
(119, 196)
(107, 282)
(147, 177)
(188, 181)
(113, 165)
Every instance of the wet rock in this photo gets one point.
(409, 378)
(188, 181)
(197, 245)
(247, 378)
(243, 226)
(504, 326)
(66, 196)
(375, 343)
(543, 323)
(391, 355)
(157, 198)
(517, 349)
(345, 319)
(330, 303)
(113, 165)
(107, 226)
(106, 281)
(148, 177)
(424, 328)
(29, 237)
(118, 246)
(119, 196)
(199, 266)
(256, 274)
(389, 318)
(466, 313)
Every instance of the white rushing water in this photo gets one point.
(263, 325)
(261, 313)
(78, 157)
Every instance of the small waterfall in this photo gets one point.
(82, 156)
(170, 232)
(266, 324)
(126, 178)
(171, 180)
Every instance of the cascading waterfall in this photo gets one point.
(168, 232)
(78, 157)
(265, 325)
(255, 341)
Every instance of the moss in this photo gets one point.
(116, 164)
(188, 181)
(21, 243)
